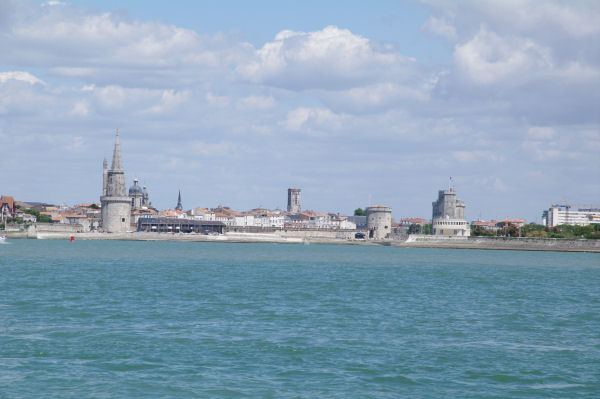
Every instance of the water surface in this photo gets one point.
(109, 319)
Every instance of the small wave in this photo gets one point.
(555, 386)
(395, 379)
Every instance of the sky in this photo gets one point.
(356, 103)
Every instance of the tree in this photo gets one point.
(414, 229)
(94, 206)
(40, 218)
(480, 231)
(360, 212)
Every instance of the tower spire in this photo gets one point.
(116, 161)
(179, 207)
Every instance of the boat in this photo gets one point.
(3, 238)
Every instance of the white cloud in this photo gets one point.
(256, 102)
(330, 59)
(541, 133)
(439, 26)
(20, 75)
(217, 101)
(76, 145)
(107, 48)
(379, 97)
(477, 156)
(169, 100)
(222, 149)
(81, 108)
(488, 58)
(312, 119)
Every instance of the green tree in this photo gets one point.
(414, 229)
(426, 229)
(94, 206)
(40, 218)
(480, 231)
(360, 212)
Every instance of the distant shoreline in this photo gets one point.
(414, 241)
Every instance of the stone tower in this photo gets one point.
(293, 205)
(116, 205)
(447, 206)
(379, 221)
(179, 207)
(448, 215)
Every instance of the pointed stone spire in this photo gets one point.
(179, 207)
(116, 161)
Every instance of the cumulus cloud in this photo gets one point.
(538, 60)
(488, 58)
(330, 59)
(106, 47)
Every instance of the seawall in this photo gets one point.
(509, 243)
(414, 241)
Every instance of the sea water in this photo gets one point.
(108, 319)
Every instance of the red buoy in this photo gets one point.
(72, 238)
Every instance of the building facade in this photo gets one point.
(448, 215)
(379, 221)
(558, 215)
(8, 207)
(116, 204)
(293, 204)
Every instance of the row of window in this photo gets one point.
(451, 223)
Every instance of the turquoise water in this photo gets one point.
(109, 319)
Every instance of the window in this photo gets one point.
(123, 220)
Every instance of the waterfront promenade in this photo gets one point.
(297, 237)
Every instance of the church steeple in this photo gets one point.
(179, 207)
(116, 161)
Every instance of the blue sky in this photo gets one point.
(355, 103)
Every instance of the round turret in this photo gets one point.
(379, 221)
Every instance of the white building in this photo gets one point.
(244, 220)
(269, 220)
(345, 224)
(558, 215)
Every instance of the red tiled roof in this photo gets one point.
(7, 199)
(513, 221)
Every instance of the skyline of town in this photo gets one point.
(233, 103)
